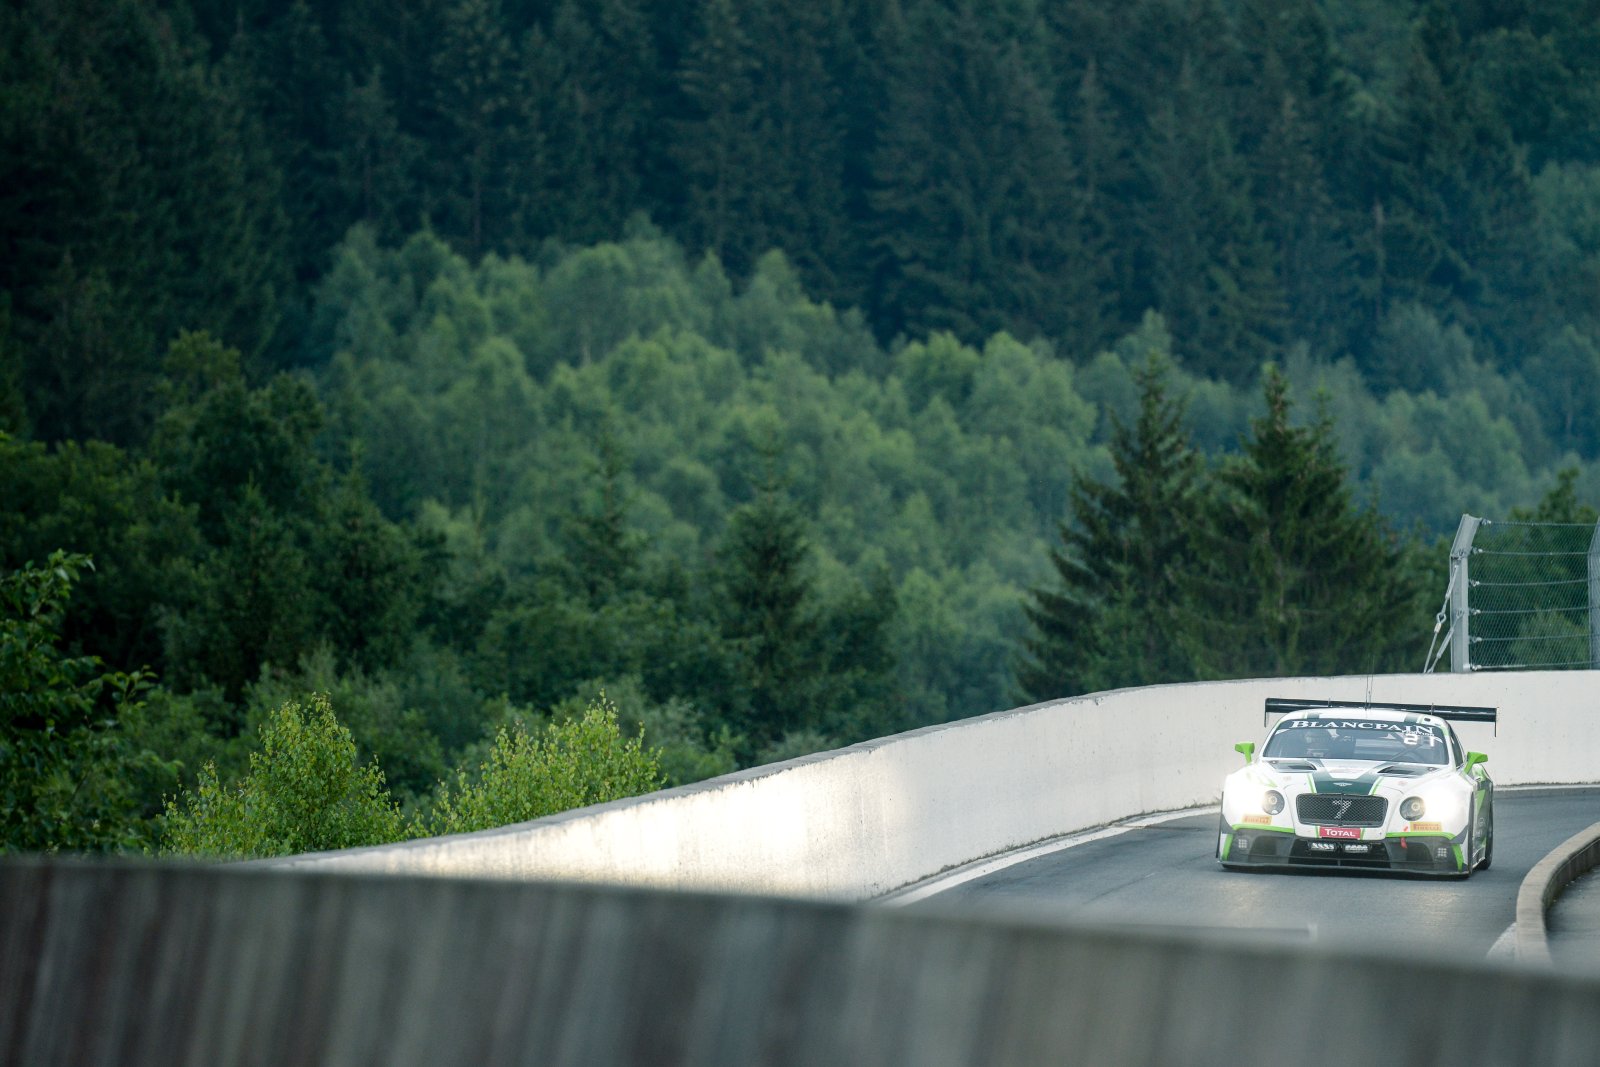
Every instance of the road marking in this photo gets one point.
(969, 872)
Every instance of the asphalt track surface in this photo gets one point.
(1165, 875)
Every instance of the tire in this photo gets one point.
(1488, 844)
(1466, 857)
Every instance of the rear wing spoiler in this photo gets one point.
(1280, 706)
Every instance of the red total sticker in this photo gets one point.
(1348, 833)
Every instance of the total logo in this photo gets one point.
(1345, 833)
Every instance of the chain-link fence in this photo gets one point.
(1522, 596)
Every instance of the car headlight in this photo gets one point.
(1272, 802)
(1412, 809)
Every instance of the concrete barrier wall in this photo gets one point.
(865, 820)
(142, 965)
(1574, 858)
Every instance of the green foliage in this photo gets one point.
(1293, 578)
(645, 445)
(689, 744)
(556, 279)
(13, 405)
(139, 203)
(473, 73)
(382, 711)
(97, 500)
(1566, 368)
(1212, 269)
(974, 187)
(526, 776)
(291, 556)
(721, 156)
(1260, 173)
(595, 91)
(305, 791)
(768, 618)
(1112, 619)
(63, 759)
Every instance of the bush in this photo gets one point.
(567, 765)
(305, 792)
(64, 764)
(687, 747)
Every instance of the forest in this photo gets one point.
(458, 385)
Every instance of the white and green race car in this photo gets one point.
(1344, 784)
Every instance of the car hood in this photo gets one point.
(1348, 776)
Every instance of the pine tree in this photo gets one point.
(1293, 577)
(592, 81)
(401, 41)
(1110, 620)
(856, 64)
(1106, 175)
(718, 150)
(13, 408)
(374, 159)
(287, 75)
(977, 225)
(799, 196)
(1313, 260)
(1291, 117)
(1456, 196)
(769, 617)
(603, 553)
(474, 105)
(1210, 265)
(136, 199)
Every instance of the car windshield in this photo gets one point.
(1358, 739)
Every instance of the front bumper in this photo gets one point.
(1253, 846)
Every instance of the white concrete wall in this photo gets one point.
(867, 819)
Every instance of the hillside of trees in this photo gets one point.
(793, 373)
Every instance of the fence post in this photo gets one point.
(1460, 601)
(1594, 599)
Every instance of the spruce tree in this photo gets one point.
(1105, 174)
(374, 158)
(593, 83)
(1110, 619)
(1456, 193)
(800, 200)
(474, 106)
(603, 553)
(1293, 578)
(977, 225)
(1291, 119)
(136, 199)
(1211, 267)
(288, 77)
(769, 618)
(718, 149)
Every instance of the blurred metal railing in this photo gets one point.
(1521, 596)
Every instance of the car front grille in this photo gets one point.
(1340, 809)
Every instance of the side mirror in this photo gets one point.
(1247, 749)
(1473, 759)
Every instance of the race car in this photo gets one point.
(1347, 784)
